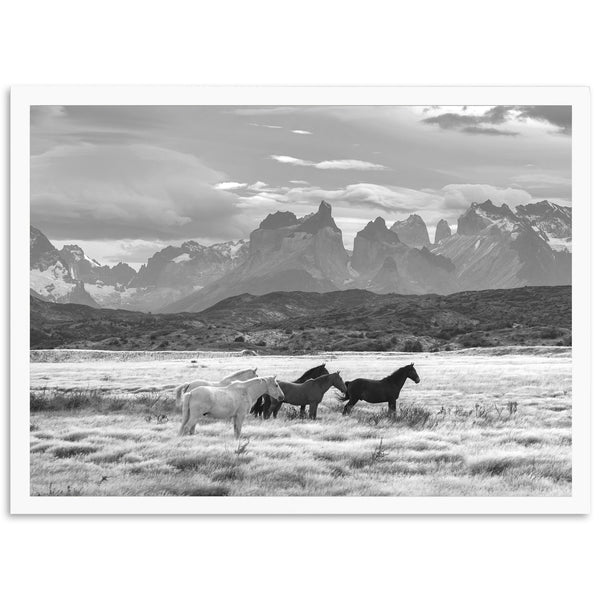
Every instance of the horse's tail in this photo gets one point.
(179, 391)
(185, 413)
(257, 407)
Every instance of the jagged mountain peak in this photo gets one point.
(412, 231)
(39, 243)
(319, 220)
(414, 219)
(552, 221)
(310, 223)
(480, 216)
(442, 231)
(192, 246)
(74, 253)
(278, 219)
(378, 231)
(490, 208)
(544, 207)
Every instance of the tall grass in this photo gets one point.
(453, 434)
(151, 403)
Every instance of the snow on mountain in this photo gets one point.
(495, 247)
(70, 275)
(191, 264)
(89, 270)
(553, 220)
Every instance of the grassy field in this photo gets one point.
(488, 422)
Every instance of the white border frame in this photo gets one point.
(23, 97)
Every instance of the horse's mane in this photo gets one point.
(397, 373)
(308, 373)
(322, 376)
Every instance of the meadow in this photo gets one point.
(482, 422)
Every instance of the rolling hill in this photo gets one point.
(298, 322)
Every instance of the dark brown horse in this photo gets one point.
(262, 407)
(310, 392)
(378, 390)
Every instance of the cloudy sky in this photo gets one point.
(124, 181)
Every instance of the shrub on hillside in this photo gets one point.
(548, 333)
(413, 346)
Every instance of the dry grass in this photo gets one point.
(453, 434)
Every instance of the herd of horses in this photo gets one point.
(244, 392)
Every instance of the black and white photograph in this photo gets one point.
(301, 300)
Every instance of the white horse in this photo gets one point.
(242, 375)
(229, 402)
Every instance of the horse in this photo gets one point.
(310, 392)
(242, 375)
(263, 405)
(230, 402)
(379, 390)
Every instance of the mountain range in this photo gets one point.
(493, 247)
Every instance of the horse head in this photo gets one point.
(320, 370)
(338, 382)
(273, 388)
(412, 373)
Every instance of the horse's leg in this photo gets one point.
(275, 408)
(267, 407)
(303, 411)
(392, 407)
(349, 406)
(312, 411)
(238, 419)
(190, 426)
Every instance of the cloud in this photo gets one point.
(558, 116)
(134, 191)
(230, 185)
(258, 185)
(358, 196)
(343, 164)
(470, 123)
(359, 165)
(290, 160)
(301, 132)
(461, 195)
(487, 131)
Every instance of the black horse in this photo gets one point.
(379, 390)
(262, 407)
